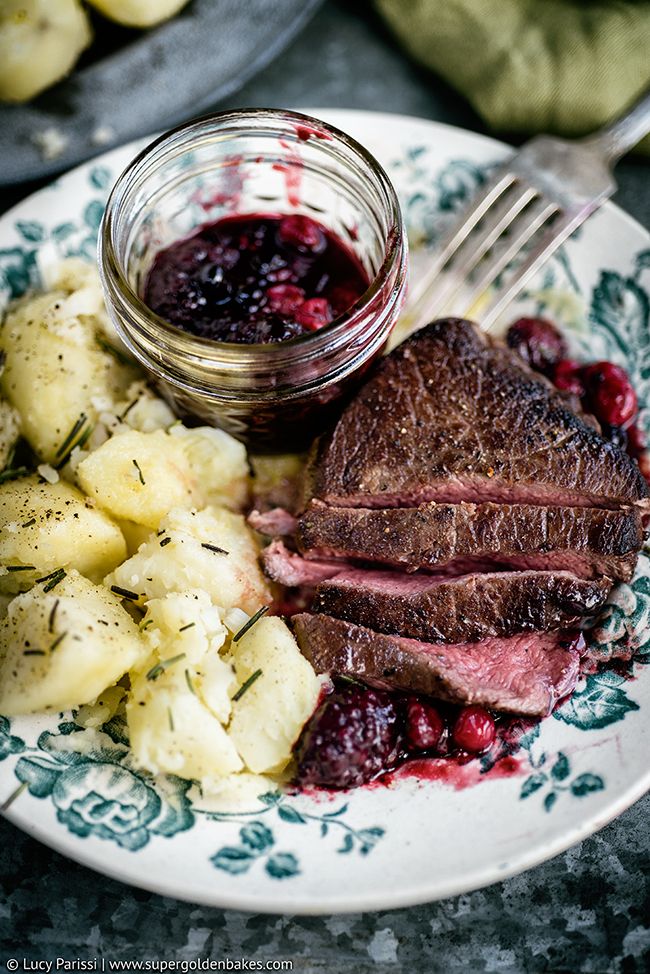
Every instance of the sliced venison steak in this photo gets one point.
(458, 538)
(451, 415)
(524, 674)
(463, 609)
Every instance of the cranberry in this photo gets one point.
(567, 376)
(352, 737)
(424, 725)
(285, 298)
(302, 233)
(636, 441)
(314, 313)
(610, 394)
(474, 729)
(538, 342)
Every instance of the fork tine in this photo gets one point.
(477, 208)
(533, 220)
(551, 240)
(470, 252)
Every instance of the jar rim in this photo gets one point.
(310, 344)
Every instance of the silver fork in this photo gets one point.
(528, 208)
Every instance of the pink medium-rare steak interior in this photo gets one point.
(524, 674)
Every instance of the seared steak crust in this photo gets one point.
(451, 415)
(453, 537)
(463, 609)
(524, 674)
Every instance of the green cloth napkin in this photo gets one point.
(557, 66)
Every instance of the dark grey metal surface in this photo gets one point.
(587, 910)
(150, 80)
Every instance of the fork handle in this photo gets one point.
(616, 139)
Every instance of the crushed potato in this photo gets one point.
(48, 526)
(151, 510)
(62, 647)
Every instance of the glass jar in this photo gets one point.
(273, 396)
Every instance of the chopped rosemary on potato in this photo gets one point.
(145, 625)
(125, 593)
(165, 541)
(247, 685)
(50, 622)
(188, 626)
(53, 579)
(171, 718)
(34, 652)
(213, 547)
(250, 623)
(20, 568)
(77, 437)
(188, 680)
(128, 409)
(57, 642)
(29, 523)
(164, 664)
(70, 438)
(137, 467)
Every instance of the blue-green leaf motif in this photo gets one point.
(100, 177)
(256, 836)
(561, 768)
(39, 774)
(620, 311)
(532, 784)
(601, 702)
(93, 214)
(290, 814)
(62, 231)
(368, 838)
(282, 865)
(30, 230)
(586, 783)
(233, 860)
(550, 800)
(347, 845)
(18, 271)
(9, 743)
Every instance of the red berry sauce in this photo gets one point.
(255, 279)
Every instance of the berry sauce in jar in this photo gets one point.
(255, 279)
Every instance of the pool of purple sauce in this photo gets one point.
(255, 279)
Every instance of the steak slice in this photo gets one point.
(524, 674)
(468, 608)
(459, 538)
(452, 415)
(288, 568)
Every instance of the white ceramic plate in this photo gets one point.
(417, 840)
